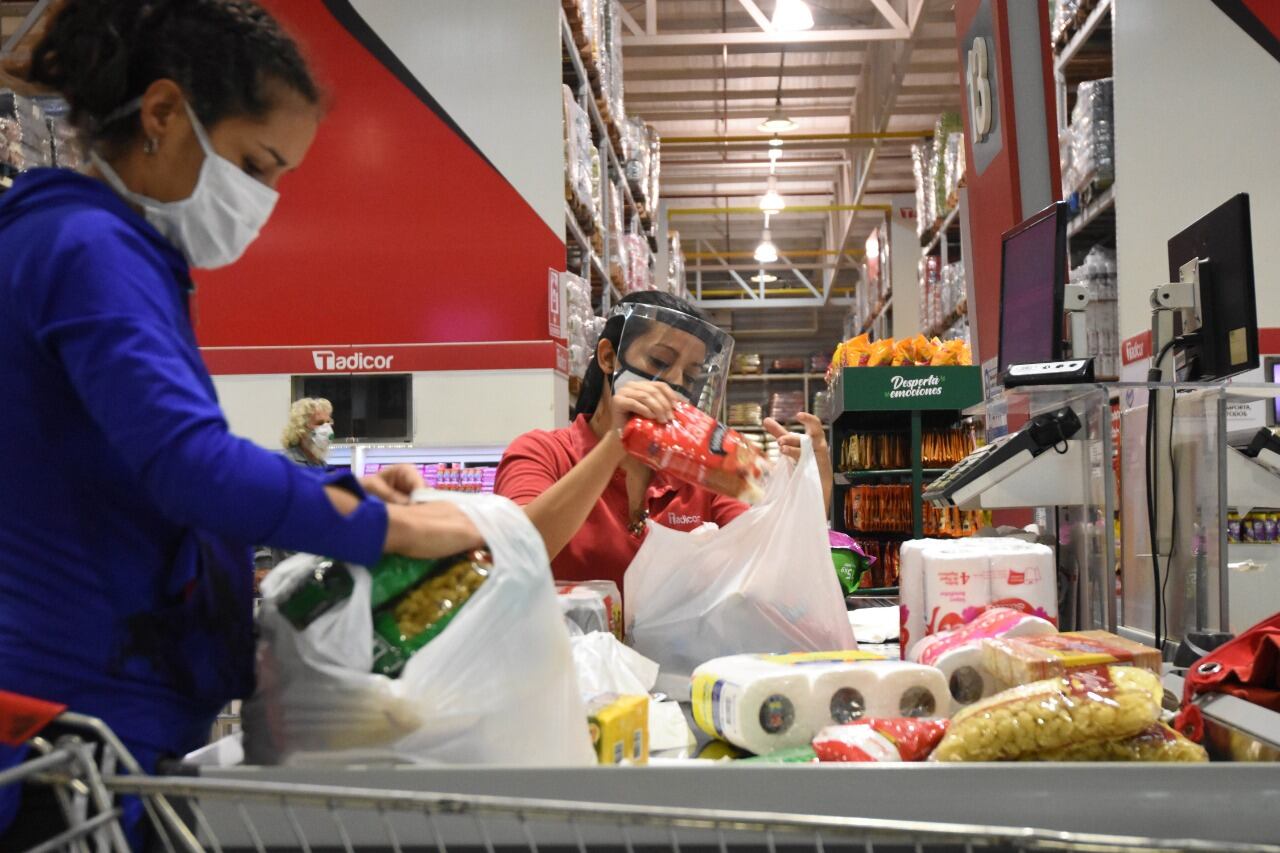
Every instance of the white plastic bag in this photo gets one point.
(498, 686)
(605, 665)
(763, 583)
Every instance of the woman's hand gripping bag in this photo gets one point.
(763, 583)
(497, 686)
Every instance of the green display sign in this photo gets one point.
(893, 389)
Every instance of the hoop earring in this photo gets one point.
(150, 145)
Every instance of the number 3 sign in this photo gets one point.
(978, 74)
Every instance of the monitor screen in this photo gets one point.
(1273, 367)
(1032, 279)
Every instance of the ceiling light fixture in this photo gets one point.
(776, 142)
(778, 121)
(775, 154)
(772, 201)
(766, 252)
(764, 278)
(791, 16)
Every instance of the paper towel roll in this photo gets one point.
(879, 689)
(758, 707)
(957, 586)
(1026, 580)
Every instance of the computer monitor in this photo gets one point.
(1271, 373)
(1033, 278)
(1227, 340)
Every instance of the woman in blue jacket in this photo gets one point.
(128, 508)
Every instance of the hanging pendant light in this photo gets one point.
(778, 121)
(766, 252)
(764, 278)
(772, 201)
(790, 16)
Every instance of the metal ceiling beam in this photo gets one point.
(795, 253)
(747, 113)
(774, 39)
(28, 23)
(651, 17)
(815, 208)
(913, 135)
(694, 96)
(763, 72)
(892, 17)
(628, 21)
(756, 15)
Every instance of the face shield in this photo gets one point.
(688, 354)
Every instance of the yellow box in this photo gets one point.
(619, 728)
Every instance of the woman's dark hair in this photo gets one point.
(593, 381)
(229, 56)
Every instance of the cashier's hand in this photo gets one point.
(653, 400)
(395, 484)
(789, 445)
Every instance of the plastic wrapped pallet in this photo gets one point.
(25, 138)
(926, 209)
(1093, 134)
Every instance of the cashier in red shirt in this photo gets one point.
(584, 493)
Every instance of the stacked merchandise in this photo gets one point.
(451, 477)
(611, 106)
(1066, 13)
(619, 249)
(822, 406)
(637, 272)
(942, 298)
(579, 163)
(1092, 163)
(943, 448)
(917, 351)
(884, 572)
(747, 364)
(938, 166)
(581, 326)
(870, 298)
(1098, 273)
(887, 509)
(1257, 528)
(818, 362)
(746, 414)
(787, 365)
(875, 452)
(26, 141)
(641, 149)
(67, 151)
(784, 406)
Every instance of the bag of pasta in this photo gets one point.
(1154, 743)
(1082, 707)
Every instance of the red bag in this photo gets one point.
(1247, 667)
(880, 739)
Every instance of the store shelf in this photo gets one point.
(609, 135)
(956, 315)
(949, 225)
(875, 318)
(851, 478)
(1077, 40)
(1098, 218)
(765, 377)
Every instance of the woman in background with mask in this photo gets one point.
(307, 437)
(127, 518)
(587, 497)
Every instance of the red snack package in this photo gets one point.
(696, 448)
(880, 739)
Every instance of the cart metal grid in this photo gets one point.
(90, 771)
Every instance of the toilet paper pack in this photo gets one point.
(1025, 579)
(957, 587)
(960, 657)
(767, 702)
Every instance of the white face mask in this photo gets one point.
(626, 376)
(223, 215)
(320, 437)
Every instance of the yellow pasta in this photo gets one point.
(1155, 743)
(1082, 707)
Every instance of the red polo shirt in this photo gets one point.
(604, 546)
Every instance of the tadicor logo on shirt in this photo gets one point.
(674, 519)
(329, 360)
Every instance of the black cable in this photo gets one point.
(1158, 617)
(1173, 526)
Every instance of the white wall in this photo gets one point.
(492, 65)
(1196, 122)
(467, 408)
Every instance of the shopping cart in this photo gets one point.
(89, 770)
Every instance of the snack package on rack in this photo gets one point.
(1082, 707)
(1155, 743)
(1020, 659)
(591, 606)
(696, 448)
(318, 699)
(879, 739)
(619, 727)
(763, 582)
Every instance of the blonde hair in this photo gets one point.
(300, 414)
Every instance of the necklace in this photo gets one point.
(637, 526)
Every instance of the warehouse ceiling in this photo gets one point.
(706, 73)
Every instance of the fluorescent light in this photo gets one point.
(776, 142)
(766, 252)
(791, 16)
(772, 201)
(764, 278)
(777, 122)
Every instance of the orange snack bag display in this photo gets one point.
(696, 448)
